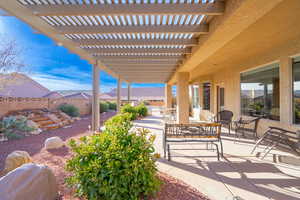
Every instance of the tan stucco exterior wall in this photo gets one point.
(229, 78)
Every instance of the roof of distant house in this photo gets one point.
(79, 95)
(142, 93)
(20, 85)
(53, 95)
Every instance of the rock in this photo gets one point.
(65, 115)
(32, 124)
(16, 159)
(3, 138)
(76, 118)
(29, 182)
(54, 143)
(53, 117)
(36, 132)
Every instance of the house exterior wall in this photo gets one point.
(229, 78)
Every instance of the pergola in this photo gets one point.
(133, 40)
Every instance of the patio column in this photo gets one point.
(128, 92)
(183, 97)
(286, 90)
(200, 91)
(95, 100)
(119, 95)
(168, 96)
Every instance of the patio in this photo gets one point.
(239, 174)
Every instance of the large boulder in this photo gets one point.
(16, 159)
(29, 182)
(53, 143)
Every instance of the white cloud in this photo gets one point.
(58, 83)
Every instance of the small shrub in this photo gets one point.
(112, 105)
(69, 109)
(141, 110)
(114, 165)
(122, 121)
(14, 127)
(130, 109)
(103, 107)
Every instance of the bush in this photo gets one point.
(130, 109)
(112, 105)
(122, 121)
(103, 107)
(141, 110)
(115, 164)
(69, 109)
(14, 127)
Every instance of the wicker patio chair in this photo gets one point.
(242, 126)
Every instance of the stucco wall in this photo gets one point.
(13, 104)
(229, 78)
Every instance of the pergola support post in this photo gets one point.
(128, 92)
(183, 97)
(168, 96)
(119, 96)
(95, 100)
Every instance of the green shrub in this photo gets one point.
(112, 105)
(69, 109)
(114, 165)
(122, 121)
(141, 110)
(14, 127)
(103, 107)
(130, 109)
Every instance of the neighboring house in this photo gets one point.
(53, 95)
(79, 95)
(20, 85)
(150, 94)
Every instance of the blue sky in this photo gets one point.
(51, 65)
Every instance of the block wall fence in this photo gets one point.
(9, 104)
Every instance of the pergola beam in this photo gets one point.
(192, 29)
(112, 42)
(141, 64)
(216, 8)
(134, 57)
(140, 50)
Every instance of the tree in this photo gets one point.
(10, 62)
(10, 56)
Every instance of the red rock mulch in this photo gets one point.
(172, 189)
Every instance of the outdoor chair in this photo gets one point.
(224, 117)
(242, 126)
(279, 138)
(209, 133)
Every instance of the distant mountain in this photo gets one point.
(71, 92)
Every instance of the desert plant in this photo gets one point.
(141, 110)
(114, 165)
(112, 105)
(69, 109)
(103, 107)
(130, 109)
(15, 127)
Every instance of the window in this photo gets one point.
(296, 89)
(260, 92)
(195, 96)
(206, 96)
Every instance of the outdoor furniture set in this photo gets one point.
(210, 133)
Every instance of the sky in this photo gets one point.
(51, 65)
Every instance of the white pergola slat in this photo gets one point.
(136, 41)
(141, 50)
(186, 42)
(200, 29)
(128, 9)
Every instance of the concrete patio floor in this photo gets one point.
(239, 175)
